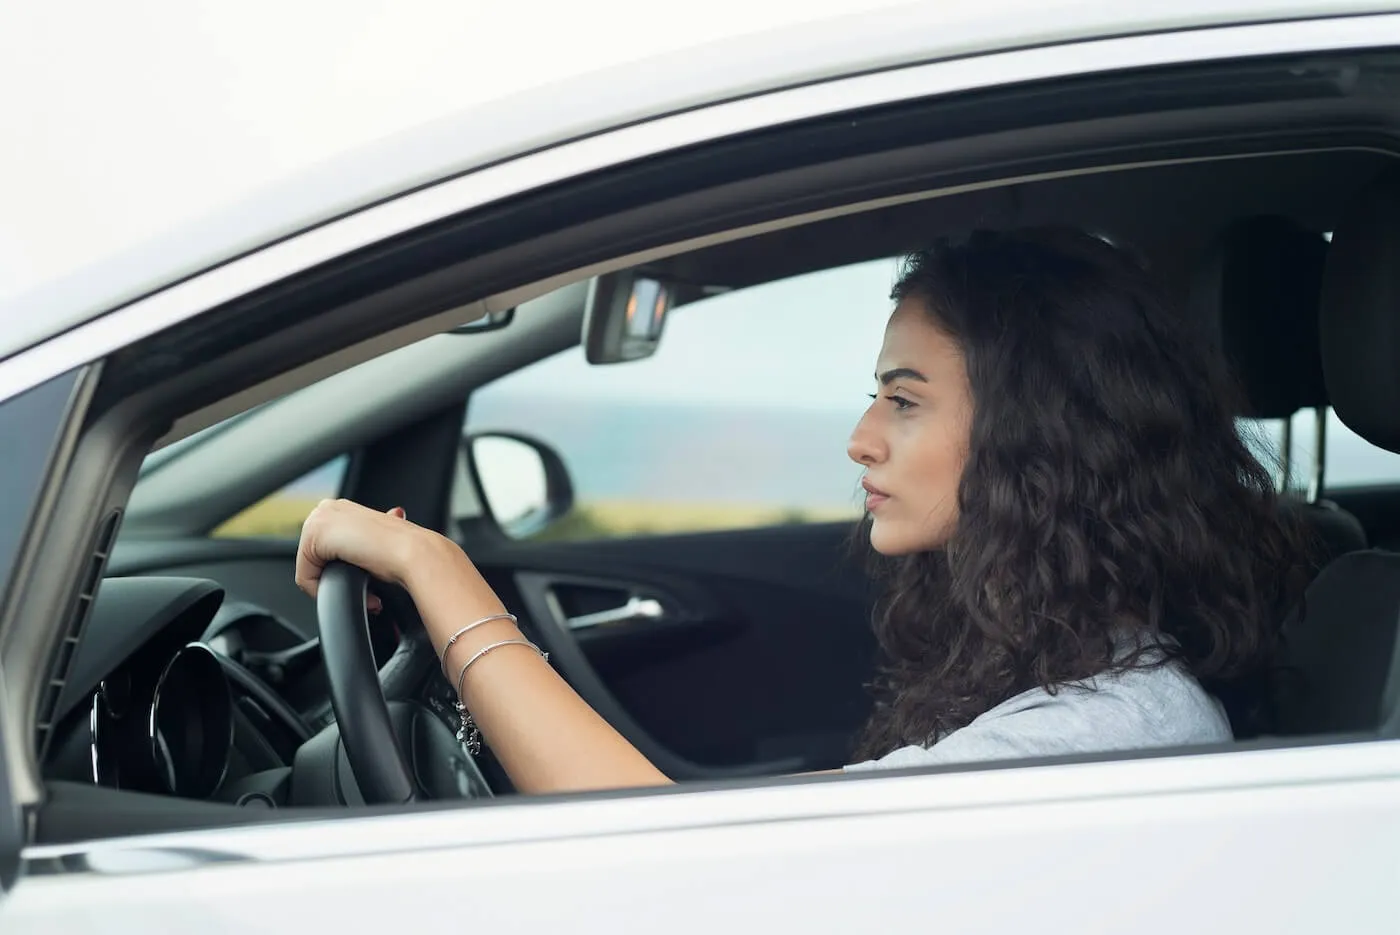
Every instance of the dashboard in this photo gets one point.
(173, 690)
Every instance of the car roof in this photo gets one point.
(792, 49)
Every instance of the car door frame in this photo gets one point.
(12, 823)
(120, 328)
(40, 425)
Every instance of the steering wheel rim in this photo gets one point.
(361, 712)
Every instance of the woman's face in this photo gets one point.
(913, 439)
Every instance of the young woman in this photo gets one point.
(1080, 554)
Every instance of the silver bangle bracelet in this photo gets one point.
(467, 629)
(468, 734)
(462, 674)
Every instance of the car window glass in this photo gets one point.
(739, 420)
(1350, 461)
(280, 514)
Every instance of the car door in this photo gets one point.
(1272, 840)
(706, 592)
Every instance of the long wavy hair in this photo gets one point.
(1107, 493)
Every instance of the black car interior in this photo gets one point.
(1344, 641)
(1262, 282)
(1231, 222)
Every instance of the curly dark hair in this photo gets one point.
(1107, 492)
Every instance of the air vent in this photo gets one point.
(77, 619)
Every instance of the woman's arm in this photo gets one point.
(545, 735)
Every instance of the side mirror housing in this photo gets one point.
(522, 482)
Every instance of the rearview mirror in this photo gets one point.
(523, 482)
(624, 316)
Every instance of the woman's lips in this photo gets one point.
(874, 496)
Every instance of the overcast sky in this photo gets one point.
(809, 342)
(124, 120)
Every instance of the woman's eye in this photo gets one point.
(900, 403)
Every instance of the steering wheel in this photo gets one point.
(361, 713)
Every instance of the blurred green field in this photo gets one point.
(280, 517)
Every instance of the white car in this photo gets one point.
(441, 322)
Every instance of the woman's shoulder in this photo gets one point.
(1138, 708)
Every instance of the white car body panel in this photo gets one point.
(1278, 841)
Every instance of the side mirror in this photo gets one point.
(623, 317)
(522, 481)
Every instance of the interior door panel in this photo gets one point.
(592, 648)
(755, 661)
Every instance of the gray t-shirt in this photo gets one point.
(1137, 709)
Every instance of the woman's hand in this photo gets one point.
(540, 730)
(383, 544)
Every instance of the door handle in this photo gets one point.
(636, 610)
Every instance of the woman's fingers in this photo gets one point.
(312, 551)
(345, 531)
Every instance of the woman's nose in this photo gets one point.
(865, 446)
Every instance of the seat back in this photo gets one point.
(1260, 284)
(1342, 670)
(1343, 646)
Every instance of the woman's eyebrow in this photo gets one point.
(900, 373)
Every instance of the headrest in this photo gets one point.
(1361, 314)
(1261, 282)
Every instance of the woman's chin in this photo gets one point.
(886, 541)
(891, 541)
